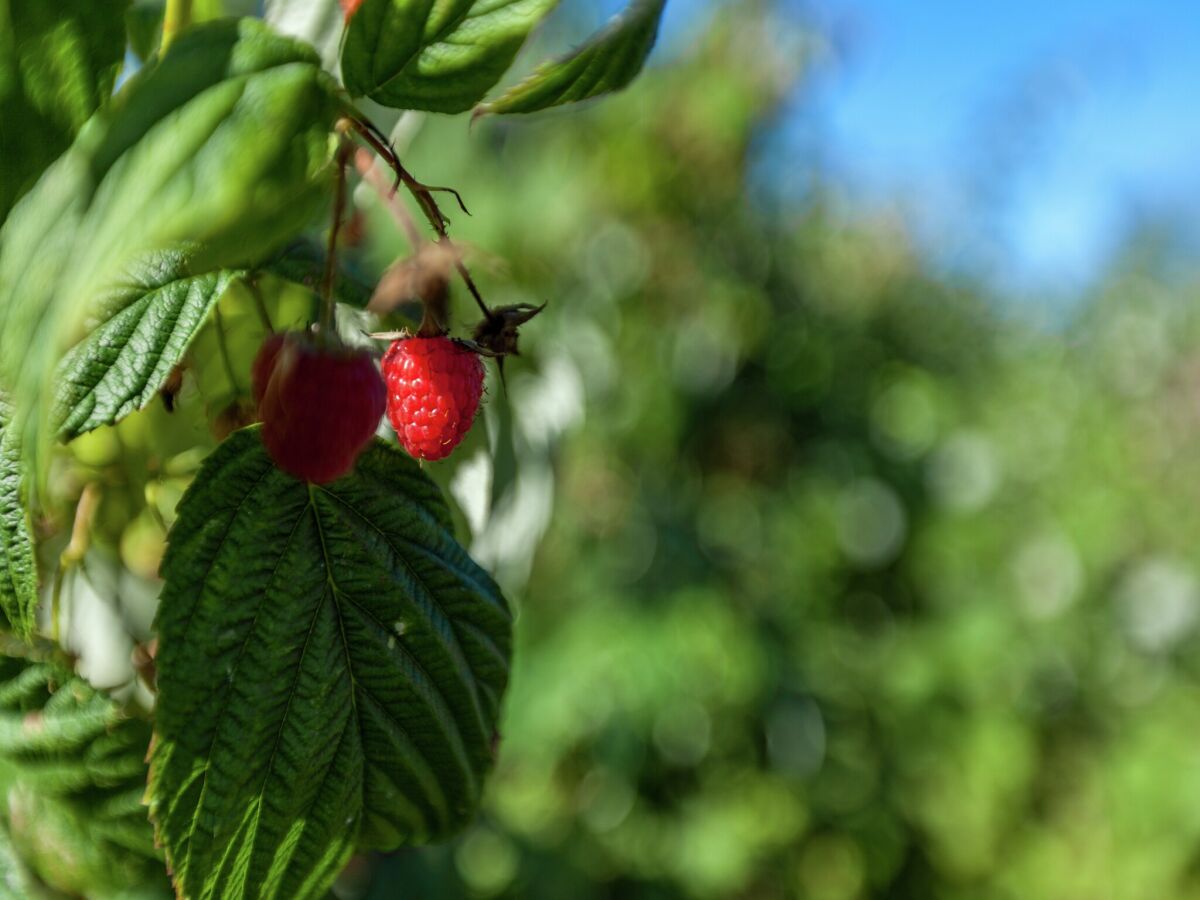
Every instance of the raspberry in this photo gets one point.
(349, 7)
(433, 388)
(264, 364)
(320, 405)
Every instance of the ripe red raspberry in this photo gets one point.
(349, 6)
(433, 391)
(320, 405)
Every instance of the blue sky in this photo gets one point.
(1030, 128)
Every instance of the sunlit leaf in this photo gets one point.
(143, 23)
(437, 55)
(14, 877)
(18, 570)
(606, 63)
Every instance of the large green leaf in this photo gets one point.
(330, 670)
(57, 65)
(18, 569)
(436, 55)
(221, 148)
(606, 63)
(73, 772)
(139, 332)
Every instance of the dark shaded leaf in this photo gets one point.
(330, 670)
(57, 65)
(303, 262)
(143, 23)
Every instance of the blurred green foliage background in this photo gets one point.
(837, 577)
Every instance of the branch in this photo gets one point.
(423, 194)
(364, 162)
(339, 203)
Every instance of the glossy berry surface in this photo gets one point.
(320, 405)
(433, 391)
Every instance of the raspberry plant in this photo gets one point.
(327, 663)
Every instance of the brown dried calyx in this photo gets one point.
(497, 334)
(424, 274)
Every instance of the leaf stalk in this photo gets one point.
(177, 17)
(345, 149)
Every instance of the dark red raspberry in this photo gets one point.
(433, 391)
(264, 364)
(320, 405)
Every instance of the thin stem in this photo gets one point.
(339, 203)
(423, 195)
(263, 315)
(375, 177)
(177, 17)
(223, 347)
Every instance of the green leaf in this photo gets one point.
(58, 61)
(18, 568)
(14, 877)
(64, 735)
(143, 23)
(330, 670)
(73, 773)
(139, 333)
(303, 262)
(144, 20)
(435, 55)
(220, 148)
(609, 61)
